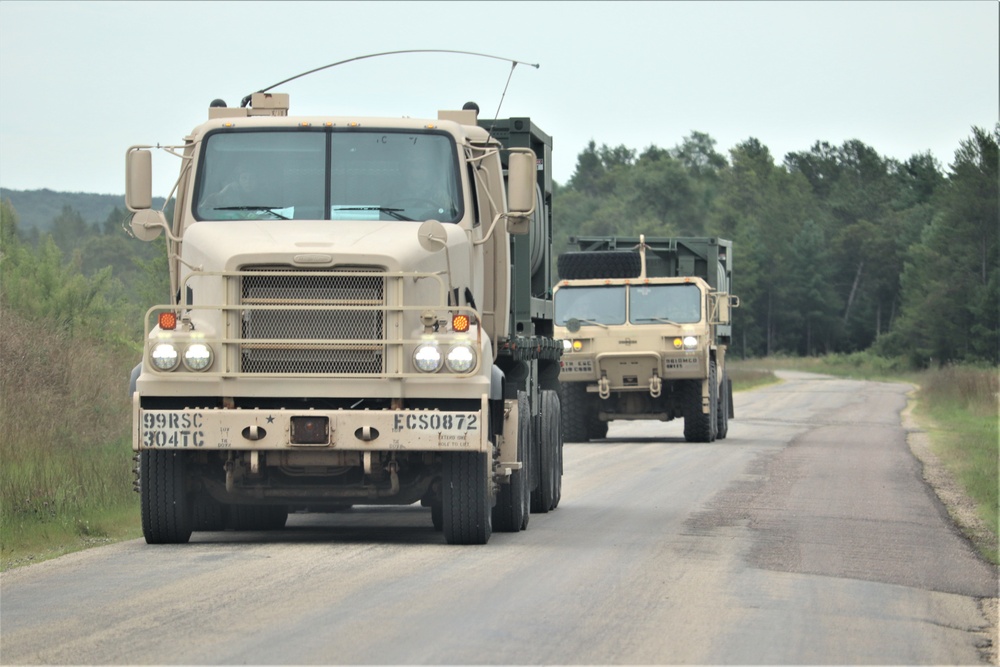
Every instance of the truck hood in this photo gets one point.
(230, 245)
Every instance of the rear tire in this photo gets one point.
(549, 448)
(465, 491)
(208, 514)
(166, 505)
(596, 429)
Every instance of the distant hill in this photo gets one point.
(37, 208)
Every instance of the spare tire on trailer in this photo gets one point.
(599, 264)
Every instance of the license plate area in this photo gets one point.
(310, 431)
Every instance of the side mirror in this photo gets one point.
(720, 308)
(138, 179)
(432, 236)
(521, 176)
(148, 224)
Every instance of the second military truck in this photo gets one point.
(646, 323)
(360, 313)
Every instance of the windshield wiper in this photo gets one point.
(657, 319)
(394, 212)
(573, 324)
(268, 209)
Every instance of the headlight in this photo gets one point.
(690, 343)
(164, 356)
(427, 357)
(572, 345)
(198, 356)
(461, 358)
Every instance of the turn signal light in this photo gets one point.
(460, 323)
(167, 320)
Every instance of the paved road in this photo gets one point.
(807, 536)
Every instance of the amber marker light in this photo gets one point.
(678, 343)
(167, 320)
(577, 345)
(460, 323)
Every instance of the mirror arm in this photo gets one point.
(489, 233)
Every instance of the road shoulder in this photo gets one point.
(961, 508)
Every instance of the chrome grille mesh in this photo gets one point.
(312, 323)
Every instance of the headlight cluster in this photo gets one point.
(572, 345)
(459, 358)
(196, 356)
(686, 343)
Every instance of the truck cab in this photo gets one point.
(341, 292)
(646, 324)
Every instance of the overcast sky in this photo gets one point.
(82, 81)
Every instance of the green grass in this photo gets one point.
(747, 375)
(27, 541)
(66, 474)
(959, 406)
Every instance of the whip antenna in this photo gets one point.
(514, 63)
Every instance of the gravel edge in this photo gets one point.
(960, 507)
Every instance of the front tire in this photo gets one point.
(575, 414)
(466, 498)
(699, 427)
(166, 504)
(725, 404)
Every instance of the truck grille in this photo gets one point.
(323, 323)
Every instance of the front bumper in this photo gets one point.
(634, 370)
(310, 430)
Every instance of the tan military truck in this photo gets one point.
(355, 318)
(645, 324)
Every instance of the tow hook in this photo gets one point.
(604, 387)
(655, 386)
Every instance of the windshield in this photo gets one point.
(659, 304)
(591, 305)
(647, 304)
(328, 174)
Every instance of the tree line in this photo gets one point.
(837, 249)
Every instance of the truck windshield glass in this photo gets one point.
(659, 304)
(591, 305)
(328, 174)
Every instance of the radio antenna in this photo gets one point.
(514, 63)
